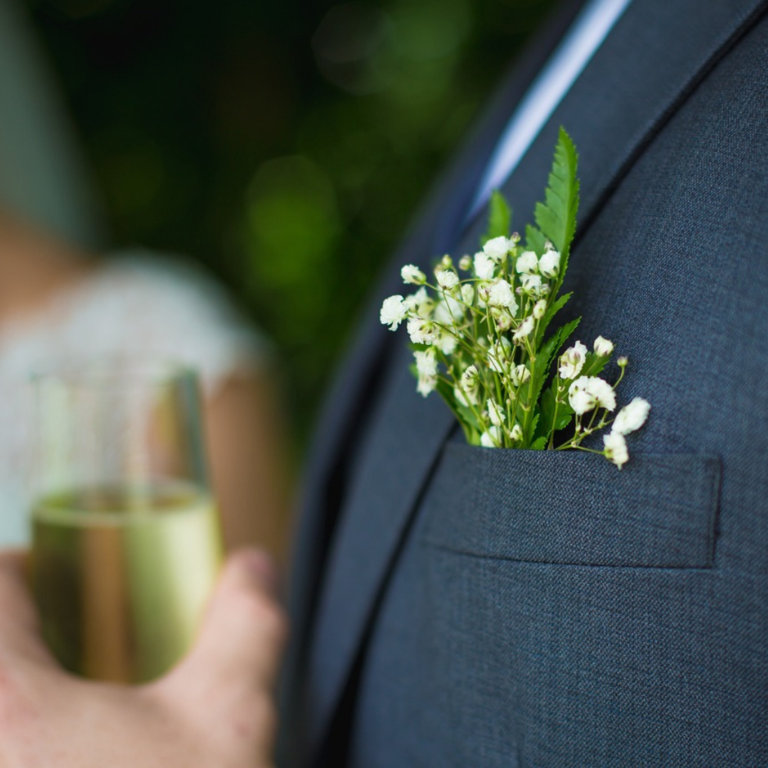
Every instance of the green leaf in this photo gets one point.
(499, 217)
(534, 240)
(594, 364)
(539, 444)
(554, 308)
(556, 216)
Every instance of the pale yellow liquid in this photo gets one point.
(122, 576)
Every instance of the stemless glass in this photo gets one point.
(126, 537)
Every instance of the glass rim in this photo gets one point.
(114, 370)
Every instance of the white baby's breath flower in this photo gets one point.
(531, 283)
(495, 413)
(484, 266)
(516, 433)
(631, 417)
(520, 375)
(491, 438)
(527, 263)
(497, 248)
(467, 399)
(602, 392)
(603, 347)
(426, 362)
(581, 401)
(539, 309)
(498, 355)
(393, 312)
(448, 310)
(572, 361)
(426, 384)
(500, 295)
(549, 263)
(420, 330)
(523, 330)
(420, 303)
(467, 293)
(447, 279)
(413, 275)
(469, 377)
(616, 448)
(465, 263)
(446, 343)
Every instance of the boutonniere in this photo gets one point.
(482, 335)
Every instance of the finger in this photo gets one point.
(243, 631)
(19, 620)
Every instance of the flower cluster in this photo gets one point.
(480, 335)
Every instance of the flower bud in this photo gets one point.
(413, 275)
(603, 347)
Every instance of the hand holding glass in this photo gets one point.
(126, 539)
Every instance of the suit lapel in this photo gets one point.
(653, 59)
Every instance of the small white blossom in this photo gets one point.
(466, 389)
(531, 283)
(467, 293)
(420, 330)
(469, 377)
(524, 329)
(413, 275)
(465, 263)
(581, 401)
(631, 417)
(497, 248)
(447, 279)
(516, 433)
(495, 413)
(498, 356)
(527, 263)
(520, 375)
(426, 384)
(500, 295)
(448, 311)
(426, 362)
(446, 342)
(491, 438)
(549, 263)
(539, 309)
(393, 312)
(420, 303)
(602, 392)
(572, 361)
(503, 319)
(603, 347)
(616, 448)
(484, 266)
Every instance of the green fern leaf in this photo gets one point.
(556, 216)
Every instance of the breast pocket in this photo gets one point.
(575, 508)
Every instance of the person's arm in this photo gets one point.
(214, 709)
(247, 442)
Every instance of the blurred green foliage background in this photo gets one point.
(282, 144)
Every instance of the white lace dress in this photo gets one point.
(136, 303)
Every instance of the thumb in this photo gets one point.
(240, 641)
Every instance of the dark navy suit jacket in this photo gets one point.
(460, 606)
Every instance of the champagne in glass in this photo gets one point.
(126, 539)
